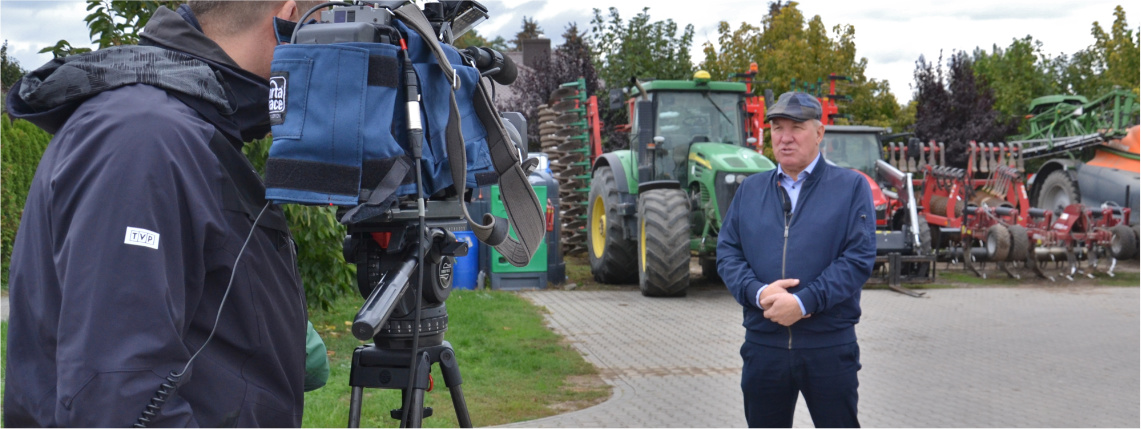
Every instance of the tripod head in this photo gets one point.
(387, 254)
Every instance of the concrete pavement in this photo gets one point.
(1042, 356)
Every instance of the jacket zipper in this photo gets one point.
(783, 260)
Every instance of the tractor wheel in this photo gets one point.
(997, 243)
(1123, 245)
(663, 242)
(1019, 244)
(612, 256)
(1058, 191)
(709, 269)
(1137, 236)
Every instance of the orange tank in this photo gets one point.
(1116, 154)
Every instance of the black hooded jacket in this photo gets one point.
(138, 211)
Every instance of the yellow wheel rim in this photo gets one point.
(598, 227)
(642, 241)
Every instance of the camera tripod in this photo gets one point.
(405, 346)
(378, 368)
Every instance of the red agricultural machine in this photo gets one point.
(982, 213)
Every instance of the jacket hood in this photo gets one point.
(173, 55)
(247, 92)
(48, 95)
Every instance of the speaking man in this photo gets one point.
(796, 247)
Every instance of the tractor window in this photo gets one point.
(854, 151)
(691, 117)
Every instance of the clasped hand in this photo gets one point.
(779, 305)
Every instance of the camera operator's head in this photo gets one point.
(244, 29)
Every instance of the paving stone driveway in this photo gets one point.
(1042, 356)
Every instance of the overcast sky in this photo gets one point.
(891, 34)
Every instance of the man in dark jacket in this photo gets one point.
(130, 240)
(796, 247)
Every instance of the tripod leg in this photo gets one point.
(451, 371)
(414, 408)
(355, 407)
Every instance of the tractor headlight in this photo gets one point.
(730, 179)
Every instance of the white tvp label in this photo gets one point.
(141, 237)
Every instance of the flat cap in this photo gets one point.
(797, 106)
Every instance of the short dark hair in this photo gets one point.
(230, 17)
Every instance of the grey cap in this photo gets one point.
(797, 106)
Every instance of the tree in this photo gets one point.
(1018, 74)
(636, 48)
(956, 110)
(1111, 61)
(794, 53)
(569, 62)
(530, 30)
(472, 38)
(10, 70)
(112, 23)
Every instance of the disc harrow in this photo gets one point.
(565, 130)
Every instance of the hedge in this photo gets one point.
(319, 236)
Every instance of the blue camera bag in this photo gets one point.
(340, 132)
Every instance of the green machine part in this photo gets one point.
(538, 262)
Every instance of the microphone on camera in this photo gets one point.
(488, 60)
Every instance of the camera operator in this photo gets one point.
(135, 234)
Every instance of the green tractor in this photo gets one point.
(652, 207)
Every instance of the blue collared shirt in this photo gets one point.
(793, 187)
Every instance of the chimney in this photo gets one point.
(535, 50)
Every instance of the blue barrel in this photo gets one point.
(467, 267)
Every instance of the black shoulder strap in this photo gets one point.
(524, 212)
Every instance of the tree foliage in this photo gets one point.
(530, 30)
(1112, 60)
(1018, 74)
(473, 38)
(23, 146)
(569, 62)
(10, 70)
(112, 23)
(639, 48)
(957, 108)
(795, 53)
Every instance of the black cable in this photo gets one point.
(154, 406)
(415, 136)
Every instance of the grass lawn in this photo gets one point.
(513, 367)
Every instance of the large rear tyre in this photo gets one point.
(612, 256)
(1137, 236)
(1123, 244)
(663, 239)
(1019, 243)
(1058, 191)
(997, 243)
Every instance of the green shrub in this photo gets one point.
(318, 234)
(21, 146)
(319, 241)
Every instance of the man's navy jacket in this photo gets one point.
(830, 247)
(138, 209)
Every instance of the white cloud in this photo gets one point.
(890, 33)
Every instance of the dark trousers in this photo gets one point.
(825, 376)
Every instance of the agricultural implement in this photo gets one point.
(982, 213)
(570, 136)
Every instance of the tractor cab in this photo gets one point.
(855, 147)
(668, 118)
